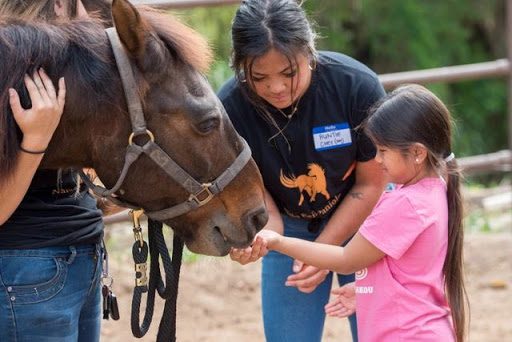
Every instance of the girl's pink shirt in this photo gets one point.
(401, 297)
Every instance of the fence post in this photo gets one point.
(509, 51)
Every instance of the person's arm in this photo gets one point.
(356, 206)
(358, 254)
(38, 125)
(258, 249)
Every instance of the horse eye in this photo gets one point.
(207, 125)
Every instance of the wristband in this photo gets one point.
(33, 152)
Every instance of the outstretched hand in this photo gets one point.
(39, 122)
(345, 304)
(252, 253)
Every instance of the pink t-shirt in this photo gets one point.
(401, 297)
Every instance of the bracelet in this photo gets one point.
(33, 152)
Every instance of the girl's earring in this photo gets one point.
(416, 160)
(310, 67)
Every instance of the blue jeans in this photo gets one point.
(288, 314)
(50, 294)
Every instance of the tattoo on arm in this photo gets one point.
(356, 195)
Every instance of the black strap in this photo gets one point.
(168, 290)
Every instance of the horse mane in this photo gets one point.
(189, 46)
(57, 47)
(80, 49)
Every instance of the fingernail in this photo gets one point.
(11, 92)
(296, 268)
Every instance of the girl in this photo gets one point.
(408, 253)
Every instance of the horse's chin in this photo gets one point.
(215, 243)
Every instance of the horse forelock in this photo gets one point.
(184, 42)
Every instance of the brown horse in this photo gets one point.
(180, 109)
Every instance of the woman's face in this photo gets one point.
(277, 81)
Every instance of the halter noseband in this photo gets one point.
(200, 194)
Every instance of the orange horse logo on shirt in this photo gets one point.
(313, 183)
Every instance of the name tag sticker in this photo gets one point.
(332, 136)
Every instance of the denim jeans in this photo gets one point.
(288, 314)
(50, 294)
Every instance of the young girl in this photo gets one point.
(408, 253)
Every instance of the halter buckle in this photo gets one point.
(205, 189)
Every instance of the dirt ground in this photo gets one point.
(219, 300)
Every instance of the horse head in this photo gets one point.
(182, 114)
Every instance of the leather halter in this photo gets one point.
(200, 194)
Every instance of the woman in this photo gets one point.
(50, 227)
(299, 110)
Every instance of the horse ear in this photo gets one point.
(131, 27)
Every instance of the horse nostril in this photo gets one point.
(255, 221)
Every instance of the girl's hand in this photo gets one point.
(252, 253)
(39, 122)
(270, 237)
(345, 304)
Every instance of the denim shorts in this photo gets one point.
(50, 294)
(288, 314)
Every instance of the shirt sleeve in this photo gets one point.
(393, 226)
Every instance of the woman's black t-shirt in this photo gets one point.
(53, 213)
(310, 179)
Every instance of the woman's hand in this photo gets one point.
(252, 253)
(39, 122)
(345, 304)
(306, 277)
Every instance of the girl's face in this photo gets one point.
(398, 167)
(274, 78)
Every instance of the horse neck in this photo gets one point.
(92, 125)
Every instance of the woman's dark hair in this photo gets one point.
(413, 114)
(262, 25)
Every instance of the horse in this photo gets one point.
(183, 120)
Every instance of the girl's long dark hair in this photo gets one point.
(262, 25)
(412, 114)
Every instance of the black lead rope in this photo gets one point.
(168, 290)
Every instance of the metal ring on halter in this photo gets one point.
(148, 132)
